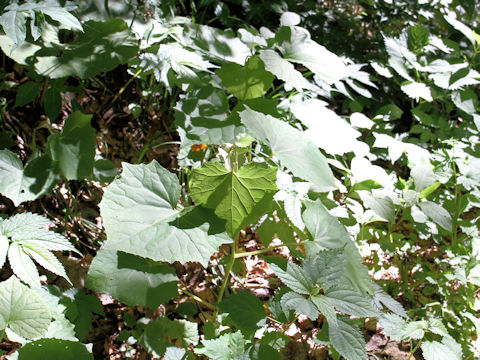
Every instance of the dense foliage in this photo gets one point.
(330, 146)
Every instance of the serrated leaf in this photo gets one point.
(415, 329)
(295, 278)
(19, 184)
(416, 90)
(246, 82)
(22, 310)
(22, 265)
(226, 347)
(434, 350)
(54, 349)
(437, 213)
(350, 301)
(418, 37)
(31, 227)
(74, 148)
(291, 147)
(245, 310)
(393, 326)
(347, 340)
(380, 298)
(301, 305)
(464, 29)
(140, 218)
(27, 92)
(157, 334)
(131, 279)
(284, 70)
(45, 259)
(325, 307)
(237, 197)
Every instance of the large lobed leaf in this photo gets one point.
(140, 217)
(238, 197)
(131, 279)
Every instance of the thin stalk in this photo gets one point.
(261, 251)
(227, 273)
(414, 349)
(227, 276)
(200, 300)
(120, 92)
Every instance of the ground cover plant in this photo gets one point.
(240, 180)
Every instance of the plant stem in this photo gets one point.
(227, 273)
(200, 300)
(120, 92)
(227, 276)
(261, 251)
(414, 349)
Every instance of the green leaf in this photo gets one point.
(238, 197)
(418, 38)
(416, 90)
(245, 310)
(52, 103)
(295, 278)
(382, 205)
(246, 82)
(14, 24)
(292, 147)
(19, 184)
(22, 310)
(80, 310)
(423, 177)
(324, 305)
(382, 298)
(226, 347)
(100, 48)
(131, 279)
(202, 116)
(464, 29)
(434, 350)
(284, 70)
(301, 305)
(347, 340)
(45, 259)
(325, 229)
(157, 333)
(437, 213)
(140, 217)
(4, 243)
(74, 148)
(350, 301)
(30, 227)
(27, 92)
(54, 349)
(22, 265)
(214, 43)
(300, 48)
